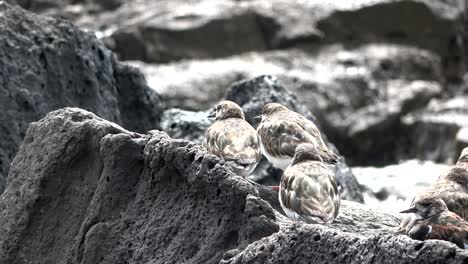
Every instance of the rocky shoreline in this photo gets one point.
(104, 194)
(99, 158)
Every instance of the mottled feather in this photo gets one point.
(236, 141)
(309, 192)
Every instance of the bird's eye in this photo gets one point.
(425, 204)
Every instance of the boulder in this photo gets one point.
(84, 190)
(432, 132)
(47, 64)
(165, 31)
(183, 124)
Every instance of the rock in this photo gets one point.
(252, 95)
(318, 244)
(373, 21)
(173, 30)
(431, 132)
(357, 95)
(104, 194)
(48, 64)
(69, 9)
(371, 132)
(139, 106)
(184, 124)
(391, 188)
(198, 84)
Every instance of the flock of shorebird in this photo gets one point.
(308, 189)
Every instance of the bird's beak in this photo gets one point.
(258, 117)
(409, 210)
(211, 115)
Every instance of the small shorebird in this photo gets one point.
(451, 187)
(233, 139)
(282, 130)
(308, 189)
(433, 220)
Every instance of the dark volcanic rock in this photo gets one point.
(165, 31)
(432, 131)
(252, 95)
(169, 30)
(47, 64)
(317, 244)
(140, 107)
(184, 124)
(102, 194)
(84, 190)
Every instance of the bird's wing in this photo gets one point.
(450, 227)
(283, 136)
(420, 231)
(454, 234)
(312, 129)
(215, 139)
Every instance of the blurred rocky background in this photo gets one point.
(386, 81)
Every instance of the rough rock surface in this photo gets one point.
(84, 190)
(47, 64)
(103, 194)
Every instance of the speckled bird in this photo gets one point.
(232, 138)
(282, 130)
(451, 187)
(308, 189)
(433, 220)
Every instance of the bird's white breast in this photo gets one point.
(278, 162)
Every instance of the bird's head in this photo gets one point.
(226, 109)
(272, 108)
(426, 206)
(463, 157)
(306, 151)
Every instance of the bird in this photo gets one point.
(463, 159)
(232, 138)
(433, 220)
(282, 130)
(308, 188)
(451, 187)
